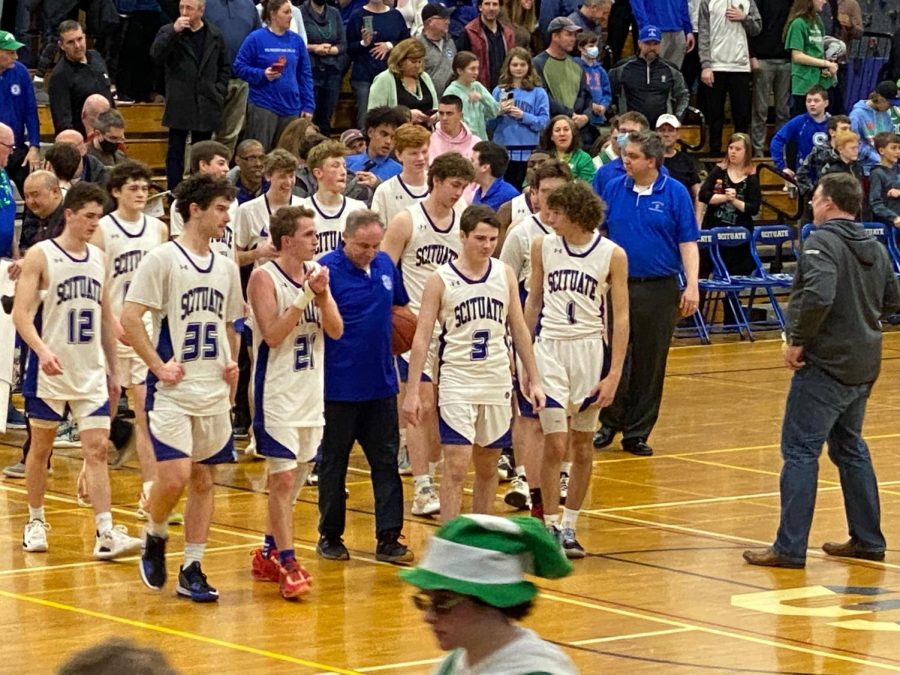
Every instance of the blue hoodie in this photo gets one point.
(598, 82)
(520, 137)
(285, 96)
(866, 121)
(667, 15)
(805, 132)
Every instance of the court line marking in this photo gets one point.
(690, 502)
(631, 636)
(407, 664)
(175, 633)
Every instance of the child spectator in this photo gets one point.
(884, 181)
(478, 104)
(595, 77)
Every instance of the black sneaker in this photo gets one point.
(240, 432)
(332, 549)
(153, 562)
(390, 549)
(192, 584)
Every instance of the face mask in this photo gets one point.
(108, 147)
(622, 140)
(592, 52)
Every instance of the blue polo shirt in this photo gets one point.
(383, 167)
(497, 195)
(614, 169)
(360, 366)
(650, 226)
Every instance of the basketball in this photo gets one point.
(403, 324)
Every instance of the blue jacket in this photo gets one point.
(497, 195)
(867, 122)
(288, 95)
(520, 137)
(598, 82)
(235, 19)
(667, 15)
(805, 132)
(18, 109)
(360, 364)
(650, 227)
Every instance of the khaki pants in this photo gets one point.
(233, 114)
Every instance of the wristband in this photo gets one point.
(304, 298)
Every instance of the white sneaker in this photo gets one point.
(67, 436)
(403, 466)
(505, 470)
(116, 543)
(563, 487)
(35, 538)
(517, 496)
(426, 502)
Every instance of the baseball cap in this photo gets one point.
(888, 90)
(668, 119)
(429, 11)
(563, 23)
(650, 34)
(8, 42)
(352, 135)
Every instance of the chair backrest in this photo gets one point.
(806, 230)
(706, 239)
(875, 230)
(730, 236)
(770, 235)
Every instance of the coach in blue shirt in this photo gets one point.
(361, 388)
(491, 161)
(651, 216)
(18, 111)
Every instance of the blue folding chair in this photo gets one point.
(772, 235)
(805, 231)
(699, 330)
(721, 289)
(893, 234)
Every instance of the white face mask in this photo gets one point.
(592, 52)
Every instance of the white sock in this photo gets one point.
(569, 518)
(157, 529)
(565, 467)
(422, 481)
(104, 522)
(193, 553)
(551, 519)
(37, 514)
(145, 490)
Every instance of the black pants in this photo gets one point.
(374, 425)
(515, 174)
(132, 69)
(242, 417)
(737, 87)
(175, 153)
(620, 19)
(652, 307)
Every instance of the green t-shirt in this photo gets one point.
(563, 80)
(808, 38)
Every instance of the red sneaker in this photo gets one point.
(293, 580)
(264, 569)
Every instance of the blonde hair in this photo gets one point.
(410, 48)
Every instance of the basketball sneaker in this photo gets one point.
(34, 540)
(293, 580)
(67, 436)
(563, 487)
(517, 495)
(570, 544)
(505, 470)
(425, 501)
(264, 569)
(192, 584)
(14, 419)
(153, 561)
(390, 549)
(16, 470)
(115, 543)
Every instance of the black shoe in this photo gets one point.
(192, 584)
(153, 562)
(604, 437)
(390, 549)
(637, 446)
(240, 432)
(332, 549)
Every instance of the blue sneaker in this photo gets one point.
(14, 419)
(192, 584)
(153, 562)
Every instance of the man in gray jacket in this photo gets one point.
(844, 286)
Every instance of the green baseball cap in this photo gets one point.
(8, 42)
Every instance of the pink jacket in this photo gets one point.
(441, 142)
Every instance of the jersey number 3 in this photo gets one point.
(201, 341)
(480, 339)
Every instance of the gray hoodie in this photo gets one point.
(843, 287)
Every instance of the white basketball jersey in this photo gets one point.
(330, 221)
(225, 244)
(252, 228)
(575, 284)
(289, 380)
(428, 248)
(472, 352)
(192, 300)
(520, 208)
(69, 322)
(394, 195)
(517, 248)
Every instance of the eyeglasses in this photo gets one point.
(440, 605)
(8, 146)
(253, 158)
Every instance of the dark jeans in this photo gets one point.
(175, 153)
(327, 89)
(822, 410)
(374, 425)
(652, 307)
(737, 87)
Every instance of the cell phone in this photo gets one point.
(508, 96)
(278, 66)
(368, 23)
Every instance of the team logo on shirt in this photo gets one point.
(15, 90)
(386, 282)
(657, 207)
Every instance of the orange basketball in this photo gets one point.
(403, 324)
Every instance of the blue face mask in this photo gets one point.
(621, 140)
(592, 52)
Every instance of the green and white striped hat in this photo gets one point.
(487, 557)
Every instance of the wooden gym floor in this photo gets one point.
(664, 588)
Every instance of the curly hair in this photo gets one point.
(279, 160)
(201, 190)
(125, 171)
(578, 202)
(325, 150)
(450, 165)
(411, 49)
(294, 133)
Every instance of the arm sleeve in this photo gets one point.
(683, 211)
(162, 43)
(341, 41)
(304, 79)
(224, 68)
(680, 94)
(685, 13)
(804, 175)
(812, 299)
(877, 187)
(703, 35)
(752, 22)
(706, 189)
(244, 62)
(489, 106)
(752, 197)
(550, 9)
(537, 120)
(379, 92)
(401, 297)
(354, 35)
(776, 147)
(32, 121)
(639, 10)
(606, 95)
(60, 104)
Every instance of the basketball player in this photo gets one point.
(330, 206)
(410, 186)
(193, 296)
(292, 306)
(125, 236)
(527, 436)
(209, 158)
(251, 231)
(521, 206)
(418, 240)
(571, 271)
(474, 299)
(63, 312)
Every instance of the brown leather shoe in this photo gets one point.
(770, 558)
(850, 549)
